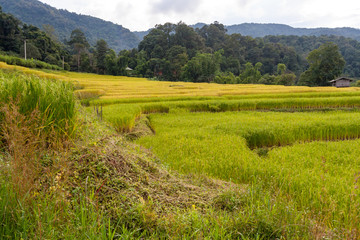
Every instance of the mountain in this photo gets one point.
(266, 29)
(261, 30)
(64, 22)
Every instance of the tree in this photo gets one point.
(202, 67)
(284, 78)
(251, 74)
(281, 68)
(101, 49)
(177, 57)
(50, 32)
(110, 62)
(214, 35)
(326, 63)
(10, 32)
(186, 36)
(79, 45)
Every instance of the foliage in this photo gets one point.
(64, 22)
(349, 49)
(171, 52)
(10, 33)
(202, 68)
(39, 45)
(326, 63)
(28, 63)
(101, 51)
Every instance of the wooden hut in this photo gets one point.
(341, 82)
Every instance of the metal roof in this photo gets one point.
(341, 78)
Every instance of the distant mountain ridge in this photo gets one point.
(264, 29)
(118, 38)
(64, 22)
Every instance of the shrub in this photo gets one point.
(30, 63)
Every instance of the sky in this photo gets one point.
(140, 15)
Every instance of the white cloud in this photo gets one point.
(143, 14)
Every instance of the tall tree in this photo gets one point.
(214, 35)
(326, 63)
(202, 68)
(101, 49)
(79, 45)
(10, 32)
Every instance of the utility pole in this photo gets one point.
(63, 63)
(25, 48)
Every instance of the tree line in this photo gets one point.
(178, 52)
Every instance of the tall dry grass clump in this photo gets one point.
(22, 137)
(35, 115)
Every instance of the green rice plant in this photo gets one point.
(154, 108)
(225, 97)
(53, 99)
(122, 117)
(296, 104)
(318, 179)
(88, 93)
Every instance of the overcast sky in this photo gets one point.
(138, 15)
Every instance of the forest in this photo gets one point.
(178, 52)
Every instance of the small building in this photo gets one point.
(341, 82)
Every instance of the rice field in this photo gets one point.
(113, 88)
(296, 148)
(317, 181)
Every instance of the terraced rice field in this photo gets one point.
(314, 179)
(297, 149)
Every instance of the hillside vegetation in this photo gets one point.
(39, 14)
(64, 22)
(178, 52)
(261, 30)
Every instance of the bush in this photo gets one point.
(30, 63)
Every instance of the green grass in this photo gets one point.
(229, 97)
(283, 175)
(30, 63)
(49, 218)
(123, 116)
(52, 98)
(317, 181)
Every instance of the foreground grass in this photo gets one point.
(95, 184)
(105, 187)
